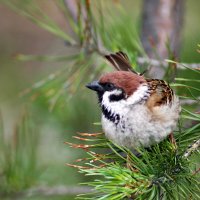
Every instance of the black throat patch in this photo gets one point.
(113, 117)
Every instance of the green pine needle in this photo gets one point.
(160, 172)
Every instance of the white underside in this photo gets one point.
(138, 125)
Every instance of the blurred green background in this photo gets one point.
(32, 135)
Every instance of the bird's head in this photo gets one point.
(118, 86)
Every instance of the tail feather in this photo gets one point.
(123, 56)
(120, 61)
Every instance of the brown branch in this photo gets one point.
(162, 22)
(196, 171)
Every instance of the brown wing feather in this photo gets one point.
(120, 61)
(160, 93)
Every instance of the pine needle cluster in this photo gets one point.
(160, 172)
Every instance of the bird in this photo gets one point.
(136, 111)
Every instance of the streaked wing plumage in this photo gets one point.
(160, 93)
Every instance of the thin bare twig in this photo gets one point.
(56, 190)
(192, 148)
(157, 63)
(189, 101)
(196, 171)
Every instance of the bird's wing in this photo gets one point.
(160, 93)
(120, 61)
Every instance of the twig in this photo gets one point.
(157, 63)
(196, 171)
(56, 190)
(189, 101)
(193, 147)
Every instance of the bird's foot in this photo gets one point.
(172, 140)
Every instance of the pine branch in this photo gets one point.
(158, 171)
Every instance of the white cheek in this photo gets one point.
(122, 106)
(114, 106)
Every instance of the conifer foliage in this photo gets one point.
(163, 171)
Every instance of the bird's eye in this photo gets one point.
(109, 86)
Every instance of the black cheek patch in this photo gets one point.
(115, 97)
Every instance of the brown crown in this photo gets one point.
(128, 81)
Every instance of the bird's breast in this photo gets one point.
(139, 126)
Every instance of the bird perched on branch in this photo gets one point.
(135, 111)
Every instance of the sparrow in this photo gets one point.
(136, 111)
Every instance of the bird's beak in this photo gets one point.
(94, 85)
